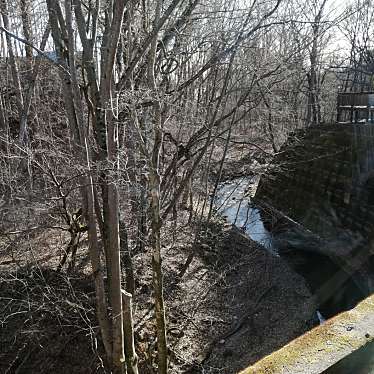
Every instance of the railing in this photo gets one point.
(355, 107)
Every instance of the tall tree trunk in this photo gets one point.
(13, 64)
(62, 31)
(154, 188)
(110, 201)
(126, 260)
(28, 96)
(97, 271)
(314, 106)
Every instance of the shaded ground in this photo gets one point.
(263, 302)
(235, 304)
(47, 323)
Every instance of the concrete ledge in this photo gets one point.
(324, 346)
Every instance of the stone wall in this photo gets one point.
(323, 178)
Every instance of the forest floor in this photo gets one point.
(236, 303)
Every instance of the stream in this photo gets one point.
(300, 249)
(234, 203)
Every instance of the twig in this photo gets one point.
(41, 53)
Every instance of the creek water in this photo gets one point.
(234, 203)
(295, 246)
